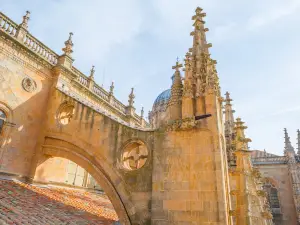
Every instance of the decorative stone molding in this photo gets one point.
(29, 84)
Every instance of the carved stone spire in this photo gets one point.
(26, 18)
(229, 129)
(229, 118)
(175, 101)
(298, 143)
(68, 45)
(131, 98)
(288, 148)
(91, 77)
(204, 74)
(250, 208)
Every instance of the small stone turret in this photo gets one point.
(175, 102)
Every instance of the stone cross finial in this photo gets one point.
(198, 18)
(177, 65)
(131, 98)
(68, 45)
(92, 73)
(24, 23)
(111, 88)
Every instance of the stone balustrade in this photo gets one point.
(111, 103)
(11, 28)
(36, 46)
(7, 25)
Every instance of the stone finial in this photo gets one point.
(142, 112)
(111, 88)
(131, 98)
(298, 139)
(198, 18)
(227, 99)
(177, 65)
(240, 140)
(287, 143)
(68, 45)
(26, 18)
(91, 77)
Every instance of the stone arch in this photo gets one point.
(108, 179)
(8, 118)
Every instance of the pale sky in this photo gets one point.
(135, 44)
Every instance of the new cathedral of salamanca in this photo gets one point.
(188, 164)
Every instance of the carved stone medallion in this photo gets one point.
(29, 84)
(65, 113)
(134, 156)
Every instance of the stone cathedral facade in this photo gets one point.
(187, 165)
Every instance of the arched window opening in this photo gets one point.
(272, 197)
(2, 120)
(274, 201)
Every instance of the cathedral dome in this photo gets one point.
(161, 101)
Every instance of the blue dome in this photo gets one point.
(163, 98)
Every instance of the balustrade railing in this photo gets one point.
(7, 25)
(99, 91)
(12, 29)
(39, 48)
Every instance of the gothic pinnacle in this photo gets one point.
(131, 98)
(177, 80)
(68, 45)
(24, 23)
(298, 139)
(241, 141)
(91, 77)
(288, 146)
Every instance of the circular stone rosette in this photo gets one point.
(29, 84)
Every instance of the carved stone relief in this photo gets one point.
(134, 156)
(29, 84)
(65, 113)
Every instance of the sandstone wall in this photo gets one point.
(23, 108)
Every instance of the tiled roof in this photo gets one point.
(22, 203)
(261, 154)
